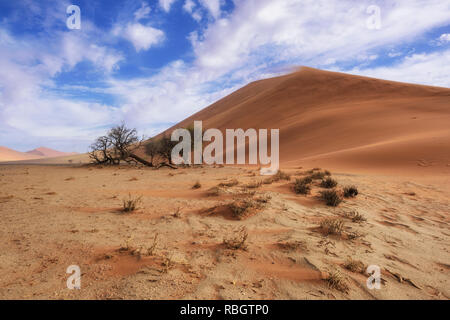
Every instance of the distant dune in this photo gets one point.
(7, 154)
(342, 121)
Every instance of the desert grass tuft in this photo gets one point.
(336, 281)
(254, 185)
(302, 186)
(281, 175)
(332, 226)
(197, 185)
(229, 184)
(131, 204)
(332, 197)
(354, 266)
(292, 245)
(350, 191)
(355, 216)
(328, 183)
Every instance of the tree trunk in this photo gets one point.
(140, 160)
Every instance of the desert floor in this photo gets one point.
(56, 216)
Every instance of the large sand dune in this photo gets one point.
(343, 121)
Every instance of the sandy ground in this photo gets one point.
(56, 216)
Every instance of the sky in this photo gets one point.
(65, 78)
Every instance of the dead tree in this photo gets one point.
(120, 144)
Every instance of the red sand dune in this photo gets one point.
(49, 153)
(7, 154)
(342, 121)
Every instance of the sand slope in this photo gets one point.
(343, 121)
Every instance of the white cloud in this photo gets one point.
(428, 68)
(394, 54)
(142, 37)
(213, 6)
(189, 6)
(444, 37)
(143, 12)
(166, 4)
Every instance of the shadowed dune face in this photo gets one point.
(344, 121)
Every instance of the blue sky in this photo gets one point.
(153, 63)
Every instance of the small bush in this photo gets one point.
(229, 184)
(197, 185)
(301, 186)
(306, 180)
(350, 191)
(336, 281)
(280, 175)
(354, 266)
(239, 208)
(238, 241)
(131, 204)
(290, 246)
(332, 226)
(355, 216)
(328, 183)
(317, 175)
(254, 185)
(332, 198)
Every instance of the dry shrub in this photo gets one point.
(332, 198)
(328, 183)
(254, 185)
(177, 213)
(317, 175)
(354, 266)
(197, 185)
(350, 191)
(131, 204)
(152, 248)
(292, 245)
(355, 216)
(332, 226)
(301, 186)
(229, 184)
(133, 179)
(336, 281)
(264, 199)
(240, 208)
(281, 175)
(237, 242)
